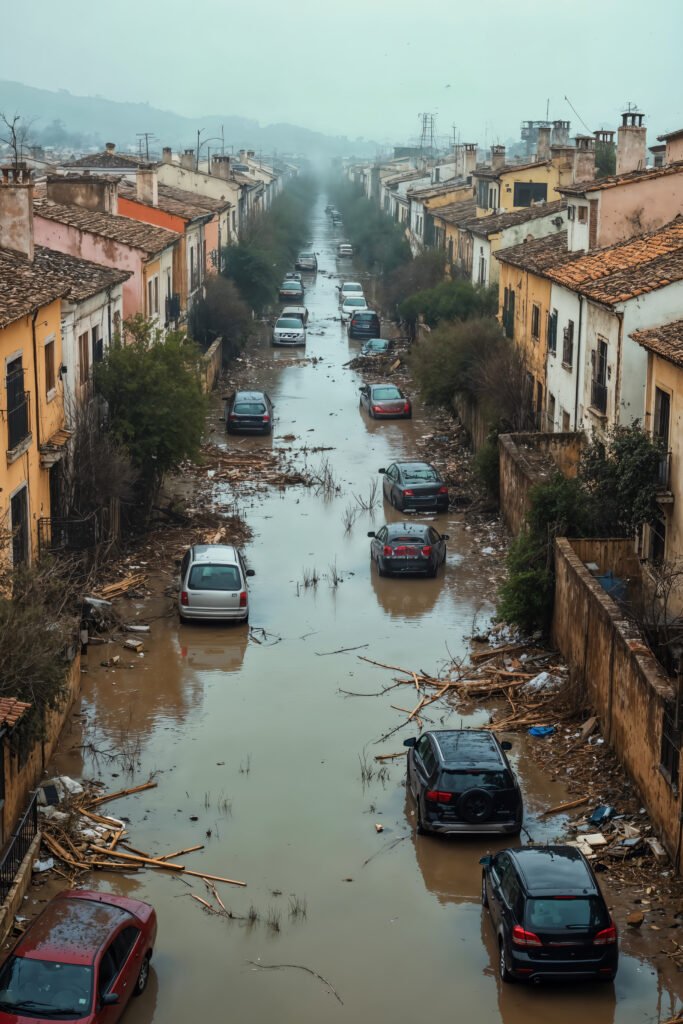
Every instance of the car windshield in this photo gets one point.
(249, 408)
(307, 255)
(355, 301)
(376, 346)
(289, 322)
(45, 988)
(386, 394)
(419, 474)
(558, 912)
(474, 778)
(214, 577)
(352, 287)
(293, 286)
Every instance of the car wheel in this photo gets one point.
(475, 806)
(143, 977)
(484, 894)
(380, 570)
(419, 823)
(503, 970)
(432, 571)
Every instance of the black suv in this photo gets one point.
(550, 918)
(462, 782)
(364, 324)
(249, 412)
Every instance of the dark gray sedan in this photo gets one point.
(385, 401)
(407, 548)
(414, 485)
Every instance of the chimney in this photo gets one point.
(187, 159)
(470, 158)
(147, 186)
(220, 166)
(631, 143)
(167, 155)
(110, 147)
(497, 157)
(16, 210)
(459, 157)
(658, 155)
(560, 136)
(543, 144)
(91, 191)
(584, 158)
(251, 153)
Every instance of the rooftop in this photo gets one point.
(457, 213)
(146, 237)
(396, 179)
(670, 135)
(498, 222)
(665, 341)
(489, 172)
(579, 188)
(11, 710)
(539, 254)
(26, 285)
(438, 188)
(109, 158)
(177, 201)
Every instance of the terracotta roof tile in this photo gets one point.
(666, 341)
(177, 201)
(457, 213)
(438, 188)
(11, 710)
(498, 222)
(146, 237)
(490, 174)
(107, 159)
(579, 188)
(539, 254)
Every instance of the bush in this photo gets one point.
(446, 361)
(221, 313)
(450, 300)
(379, 242)
(487, 466)
(420, 274)
(525, 598)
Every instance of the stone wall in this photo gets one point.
(530, 459)
(212, 363)
(622, 679)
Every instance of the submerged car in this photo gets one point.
(352, 304)
(306, 261)
(298, 311)
(364, 323)
(81, 959)
(349, 288)
(385, 401)
(213, 584)
(344, 250)
(549, 915)
(249, 412)
(462, 782)
(414, 485)
(406, 548)
(375, 346)
(291, 291)
(293, 275)
(289, 330)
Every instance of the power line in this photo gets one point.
(578, 115)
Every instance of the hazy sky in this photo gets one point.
(360, 67)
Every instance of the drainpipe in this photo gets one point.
(35, 374)
(578, 364)
(109, 317)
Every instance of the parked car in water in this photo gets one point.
(352, 304)
(291, 291)
(213, 584)
(329, 208)
(344, 250)
(462, 782)
(549, 915)
(414, 485)
(385, 401)
(374, 346)
(289, 330)
(407, 548)
(336, 219)
(306, 261)
(364, 324)
(298, 311)
(81, 959)
(349, 288)
(249, 412)
(293, 275)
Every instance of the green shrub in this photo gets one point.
(450, 300)
(487, 466)
(445, 361)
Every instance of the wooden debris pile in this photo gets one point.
(254, 466)
(83, 839)
(135, 581)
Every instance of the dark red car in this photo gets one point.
(81, 960)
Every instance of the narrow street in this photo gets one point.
(256, 742)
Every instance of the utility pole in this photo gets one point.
(146, 136)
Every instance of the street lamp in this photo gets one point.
(214, 138)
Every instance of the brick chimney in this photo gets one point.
(220, 166)
(167, 155)
(110, 147)
(16, 210)
(147, 186)
(631, 143)
(584, 158)
(187, 159)
(543, 144)
(497, 157)
(560, 133)
(470, 158)
(91, 191)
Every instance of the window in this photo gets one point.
(493, 197)
(671, 748)
(599, 376)
(528, 192)
(150, 298)
(571, 212)
(156, 294)
(509, 312)
(49, 351)
(123, 944)
(566, 422)
(483, 194)
(83, 357)
(19, 526)
(536, 321)
(593, 224)
(552, 332)
(214, 577)
(568, 345)
(657, 546)
(660, 427)
(482, 269)
(97, 345)
(583, 214)
(550, 413)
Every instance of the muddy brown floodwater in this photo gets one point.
(257, 742)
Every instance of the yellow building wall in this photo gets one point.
(669, 378)
(529, 290)
(455, 196)
(46, 414)
(550, 174)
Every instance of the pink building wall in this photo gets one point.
(639, 206)
(70, 240)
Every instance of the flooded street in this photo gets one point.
(256, 741)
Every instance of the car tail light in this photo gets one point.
(409, 494)
(521, 937)
(387, 551)
(233, 416)
(607, 936)
(443, 490)
(243, 599)
(184, 598)
(377, 408)
(438, 796)
(406, 407)
(266, 418)
(426, 551)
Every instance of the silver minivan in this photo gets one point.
(213, 584)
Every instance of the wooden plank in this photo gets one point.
(213, 878)
(568, 806)
(122, 792)
(139, 859)
(180, 853)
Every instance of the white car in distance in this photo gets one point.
(289, 330)
(352, 304)
(349, 288)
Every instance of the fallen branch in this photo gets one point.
(122, 792)
(298, 967)
(341, 650)
(558, 808)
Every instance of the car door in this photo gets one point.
(365, 397)
(438, 545)
(113, 979)
(378, 542)
(423, 756)
(388, 481)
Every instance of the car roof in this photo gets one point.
(385, 384)
(348, 284)
(288, 316)
(367, 313)
(214, 553)
(293, 309)
(249, 396)
(554, 869)
(71, 929)
(415, 465)
(463, 748)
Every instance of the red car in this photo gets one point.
(80, 960)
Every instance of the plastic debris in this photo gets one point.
(541, 730)
(602, 813)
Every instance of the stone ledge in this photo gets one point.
(15, 896)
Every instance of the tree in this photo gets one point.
(221, 313)
(15, 135)
(156, 403)
(605, 159)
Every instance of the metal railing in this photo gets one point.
(56, 534)
(18, 846)
(599, 396)
(664, 472)
(18, 420)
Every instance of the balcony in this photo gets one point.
(599, 397)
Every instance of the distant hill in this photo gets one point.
(62, 119)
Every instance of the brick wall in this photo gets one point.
(530, 459)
